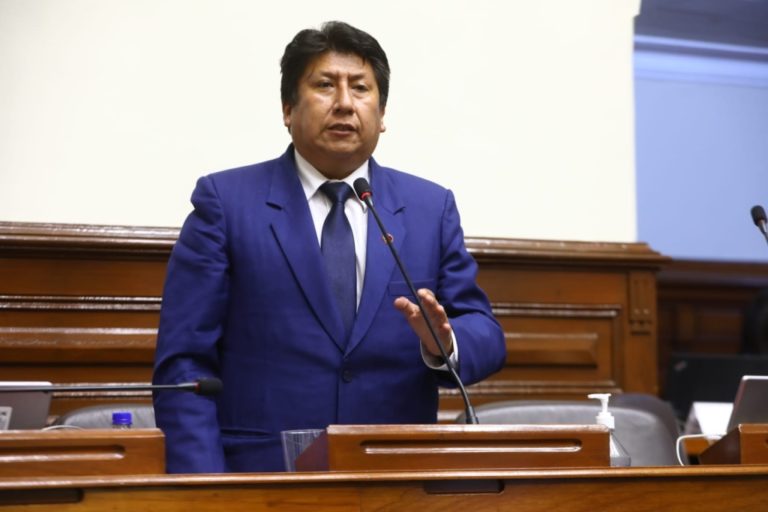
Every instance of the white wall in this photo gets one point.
(110, 109)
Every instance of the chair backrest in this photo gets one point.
(645, 425)
(100, 416)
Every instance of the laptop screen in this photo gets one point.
(23, 410)
(751, 402)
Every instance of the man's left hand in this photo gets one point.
(437, 317)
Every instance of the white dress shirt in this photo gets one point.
(357, 215)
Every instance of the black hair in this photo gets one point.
(335, 36)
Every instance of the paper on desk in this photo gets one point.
(708, 418)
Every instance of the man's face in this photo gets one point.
(336, 121)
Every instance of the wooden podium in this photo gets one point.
(71, 452)
(566, 489)
(746, 444)
(456, 447)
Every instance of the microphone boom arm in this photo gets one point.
(471, 417)
(206, 386)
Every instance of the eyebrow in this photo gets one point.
(335, 74)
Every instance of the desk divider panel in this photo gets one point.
(459, 447)
(81, 452)
(746, 444)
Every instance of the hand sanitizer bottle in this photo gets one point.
(619, 456)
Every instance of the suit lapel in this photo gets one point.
(380, 264)
(295, 233)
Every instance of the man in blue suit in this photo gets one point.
(255, 294)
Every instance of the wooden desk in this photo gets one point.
(52, 487)
(456, 447)
(746, 444)
(694, 446)
(81, 452)
(699, 488)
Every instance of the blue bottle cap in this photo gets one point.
(121, 418)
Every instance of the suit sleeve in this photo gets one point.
(478, 334)
(192, 320)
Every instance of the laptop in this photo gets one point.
(23, 410)
(751, 402)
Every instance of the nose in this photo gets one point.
(343, 99)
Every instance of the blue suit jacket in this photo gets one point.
(246, 299)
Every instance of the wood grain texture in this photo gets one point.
(722, 488)
(27, 453)
(746, 444)
(439, 447)
(80, 303)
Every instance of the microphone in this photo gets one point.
(207, 386)
(759, 218)
(363, 191)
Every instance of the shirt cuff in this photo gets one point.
(436, 362)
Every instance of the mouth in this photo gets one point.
(342, 128)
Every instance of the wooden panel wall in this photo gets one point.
(81, 304)
(578, 317)
(702, 306)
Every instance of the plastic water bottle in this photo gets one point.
(121, 420)
(619, 455)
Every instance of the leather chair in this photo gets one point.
(645, 425)
(100, 416)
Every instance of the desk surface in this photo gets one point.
(699, 488)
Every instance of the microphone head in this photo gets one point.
(758, 215)
(362, 189)
(208, 386)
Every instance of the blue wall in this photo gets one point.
(702, 148)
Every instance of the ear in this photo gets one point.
(287, 109)
(382, 127)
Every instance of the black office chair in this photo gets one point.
(645, 425)
(100, 416)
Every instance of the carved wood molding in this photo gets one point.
(642, 302)
(76, 239)
(556, 310)
(78, 303)
(560, 252)
(134, 241)
(84, 300)
(78, 345)
(726, 274)
(74, 341)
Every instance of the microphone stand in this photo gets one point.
(203, 387)
(94, 387)
(471, 417)
(764, 232)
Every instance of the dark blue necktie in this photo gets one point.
(338, 248)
